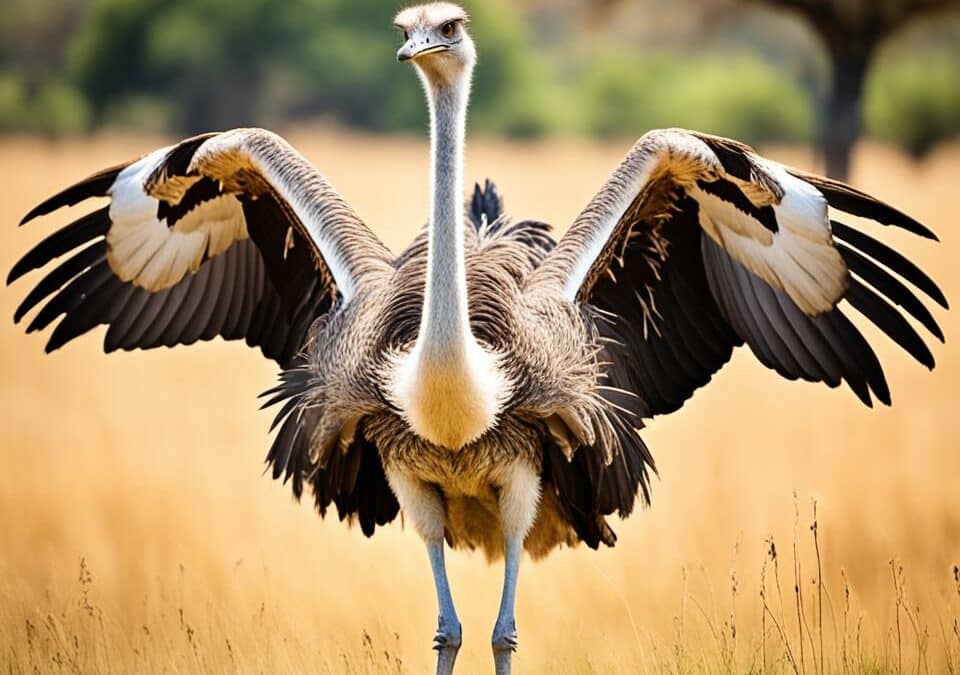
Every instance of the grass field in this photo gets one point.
(138, 534)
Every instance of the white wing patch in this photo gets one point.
(800, 257)
(144, 250)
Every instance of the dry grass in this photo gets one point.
(137, 532)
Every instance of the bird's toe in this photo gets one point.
(449, 635)
(505, 638)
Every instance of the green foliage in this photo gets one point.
(194, 65)
(511, 86)
(55, 108)
(731, 95)
(915, 102)
(140, 111)
(238, 62)
(59, 108)
(12, 103)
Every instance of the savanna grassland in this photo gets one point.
(138, 534)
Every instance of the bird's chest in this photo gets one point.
(476, 470)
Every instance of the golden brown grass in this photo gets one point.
(138, 534)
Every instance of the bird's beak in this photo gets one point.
(409, 52)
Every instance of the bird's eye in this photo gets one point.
(448, 29)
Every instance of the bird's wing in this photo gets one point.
(332, 455)
(696, 244)
(232, 234)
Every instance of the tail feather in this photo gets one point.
(486, 205)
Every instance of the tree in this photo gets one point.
(851, 31)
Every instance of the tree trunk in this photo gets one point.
(842, 121)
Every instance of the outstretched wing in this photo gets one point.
(696, 245)
(232, 234)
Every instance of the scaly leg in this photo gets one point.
(519, 497)
(505, 630)
(449, 633)
(422, 504)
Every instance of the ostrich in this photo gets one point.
(488, 381)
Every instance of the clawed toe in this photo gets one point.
(446, 640)
(449, 634)
(505, 640)
(447, 643)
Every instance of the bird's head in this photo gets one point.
(435, 39)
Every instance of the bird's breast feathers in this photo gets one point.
(451, 399)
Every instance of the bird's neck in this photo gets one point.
(449, 387)
(445, 324)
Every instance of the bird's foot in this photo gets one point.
(504, 645)
(447, 642)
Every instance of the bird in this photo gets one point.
(491, 380)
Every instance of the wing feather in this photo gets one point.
(178, 231)
(227, 234)
(77, 233)
(891, 287)
(125, 321)
(851, 200)
(895, 261)
(60, 275)
(96, 185)
(79, 321)
(142, 318)
(218, 313)
(697, 244)
(890, 321)
(70, 297)
(174, 298)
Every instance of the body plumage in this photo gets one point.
(354, 393)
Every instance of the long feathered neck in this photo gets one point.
(449, 388)
(445, 324)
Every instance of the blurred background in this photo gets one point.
(137, 532)
(798, 71)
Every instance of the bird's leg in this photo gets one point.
(505, 630)
(449, 633)
(519, 497)
(423, 505)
